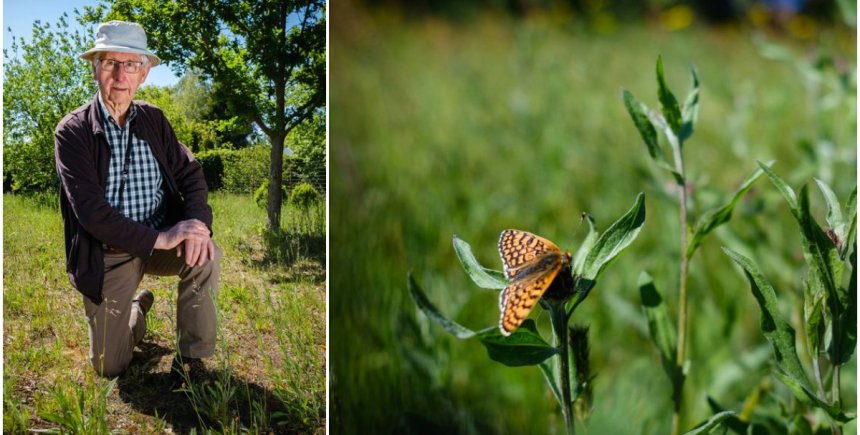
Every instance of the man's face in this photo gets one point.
(118, 87)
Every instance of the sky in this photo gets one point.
(20, 15)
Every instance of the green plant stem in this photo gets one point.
(678, 392)
(559, 318)
(816, 369)
(837, 394)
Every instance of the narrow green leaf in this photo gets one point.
(614, 240)
(668, 102)
(712, 423)
(547, 367)
(639, 114)
(818, 250)
(783, 188)
(813, 316)
(524, 347)
(804, 394)
(844, 342)
(482, 276)
(851, 218)
(585, 247)
(834, 218)
(732, 422)
(433, 313)
(776, 330)
(659, 325)
(690, 112)
(716, 217)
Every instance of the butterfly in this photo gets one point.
(532, 263)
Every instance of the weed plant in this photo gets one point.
(468, 128)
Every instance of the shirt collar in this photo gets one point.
(106, 113)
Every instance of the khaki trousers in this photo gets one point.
(117, 324)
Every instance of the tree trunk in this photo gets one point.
(276, 169)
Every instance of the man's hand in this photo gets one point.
(197, 252)
(194, 236)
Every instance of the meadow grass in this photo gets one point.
(442, 129)
(268, 373)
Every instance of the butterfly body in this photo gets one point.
(532, 263)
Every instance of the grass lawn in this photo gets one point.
(267, 375)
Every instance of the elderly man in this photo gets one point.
(133, 201)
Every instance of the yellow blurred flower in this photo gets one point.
(677, 17)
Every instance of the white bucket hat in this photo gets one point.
(122, 37)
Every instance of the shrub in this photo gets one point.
(213, 166)
(261, 195)
(246, 169)
(304, 196)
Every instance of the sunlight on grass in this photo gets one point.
(46, 368)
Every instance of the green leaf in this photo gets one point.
(845, 323)
(851, 213)
(804, 394)
(690, 112)
(614, 240)
(776, 330)
(660, 327)
(712, 423)
(433, 313)
(834, 218)
(783, 188)
(668, 102)
(813, 316)
(482, 276)
(818, 250)
(639, 114)
(716, 217)
(524, 347)
(547, 367)
(585, 247)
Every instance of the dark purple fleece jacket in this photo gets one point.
(82, 155)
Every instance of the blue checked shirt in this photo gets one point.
(143, 200)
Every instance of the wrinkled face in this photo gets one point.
(118, 87)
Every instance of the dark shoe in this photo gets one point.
(145, 299)
(186, 370)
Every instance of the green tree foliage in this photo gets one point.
(266, 57)
(43, 81)
(200, 120)
(308, 143)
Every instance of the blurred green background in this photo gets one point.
(447, 119)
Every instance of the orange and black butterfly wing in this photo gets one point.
(521, 249)
(517, 299)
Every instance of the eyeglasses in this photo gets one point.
(129, 66)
